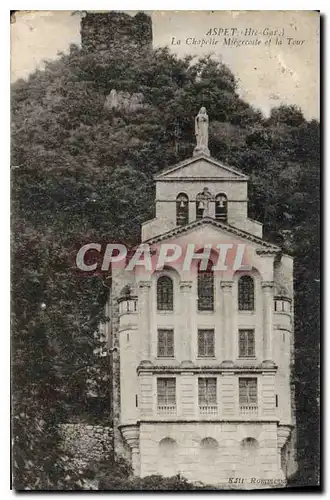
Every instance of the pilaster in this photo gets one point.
(229, 394)
(187, 394)
(146, 399)
(267, 292)
(186, 312)
(228, 337)
(144, 308)
(268, 394)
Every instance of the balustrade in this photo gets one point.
(208, 410)
(166, 410)
(248, 409)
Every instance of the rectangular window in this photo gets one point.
(165, 343)
(248, 391)
(166, 391)
(246, 343)
(206, 343)
(207, 391)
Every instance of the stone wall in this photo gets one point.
(87, 443)
(122, 100)
(211, 452)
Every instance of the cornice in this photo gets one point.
(144, 284)
(127, 297)
(283, 297)
(267, 247)
(207, 368)
(226, 284)
(223, 420)
(186, 285)
(209, 159)
(267, 251)
(201, 179)
(267, 284)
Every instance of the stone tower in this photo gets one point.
(102, 30)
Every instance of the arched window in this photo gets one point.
(167, 456)
(165, 294)
(167, 446)
(209, 443)
(221, 207)
(182, 209)
(209, 449)
(205, 288)
(249, 449)
(246, 293)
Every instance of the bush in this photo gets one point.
(118, 475)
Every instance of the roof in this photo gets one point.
(266, 247)
(232, 170)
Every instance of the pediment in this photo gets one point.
(201, 167)
(230, 233)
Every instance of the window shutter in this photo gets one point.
(252, 387)
(161, 343)
(250, 343)
(212, 391)
(170, 343)
(161, 391)
(243, 396)
(210, 343)
(171, 391)
(201, 343)
(241, 344)
(201, 391)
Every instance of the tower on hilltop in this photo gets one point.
(103, 30)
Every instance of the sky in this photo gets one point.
(268, 75)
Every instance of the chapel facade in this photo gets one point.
(202, 359)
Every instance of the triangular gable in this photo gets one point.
(265, 247)
(201, 167)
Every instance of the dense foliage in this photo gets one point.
(121, 479)
(82, 171)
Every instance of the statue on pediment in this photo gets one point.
(202, 132)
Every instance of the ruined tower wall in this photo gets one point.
(104, 30)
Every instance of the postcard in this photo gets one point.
(165, 190)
